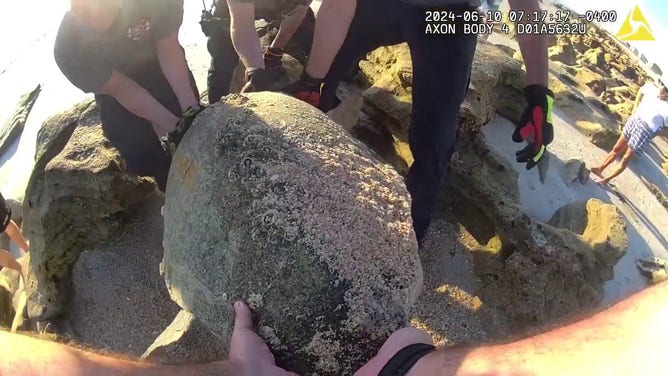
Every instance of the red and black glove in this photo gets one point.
(535, 128)
(257, 79)
(306, 89)
(273, 60)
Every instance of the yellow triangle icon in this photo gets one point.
(635, 27)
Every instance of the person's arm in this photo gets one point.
(172, 59)
(532, 46)
(289, 26)
(625, 339)
(22, 355)
(15, 235)
(140, 102)
(244, 36)
(173, 63)
(331, 27)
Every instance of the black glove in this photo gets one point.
(535, 128)
(173, 139)
(306, 89)
(258, 80)
(273, 59)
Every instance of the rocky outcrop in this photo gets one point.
(531, 271)
(496, 86)
(595, 231)
(186, 340)
(76, 196)
(299, 219)
(563, 51)
(13, 128)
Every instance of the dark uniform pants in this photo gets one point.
(133, 136)
(224, 58)
(441, 72)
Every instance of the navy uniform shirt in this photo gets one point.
(87, 57)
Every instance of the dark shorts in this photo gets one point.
(133, 136)
(5, 214)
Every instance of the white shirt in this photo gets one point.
(653, 111)
(649, 89)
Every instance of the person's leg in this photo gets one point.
(135, 140)
(224, 58)
(367, 32)
(620, 168)
(441, 72)
(617, 150)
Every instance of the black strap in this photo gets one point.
(405, 359)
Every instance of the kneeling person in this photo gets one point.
(128, 54)
(234, 37)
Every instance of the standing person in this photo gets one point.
(127, 53)
(648, 118)
(232, 35)
(7, 225)
(346, 30)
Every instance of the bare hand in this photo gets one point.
(397, 341)
(248, 350)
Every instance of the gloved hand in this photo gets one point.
(306, 89)
(273, 60)
(173, 139)
(257, 79)
(535, 128)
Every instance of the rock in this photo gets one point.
(13, 128)
(594, 57)
(327, 289)
(496, 84)
(75, 197)
(575, 169)
(598, 86)
(186, 340)
(603, 138)
(596, 231)
(563, 52)
(655, 269)
(347, 114)
(533, 276)
(536, 271)
(507, 49)
(621, 111)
